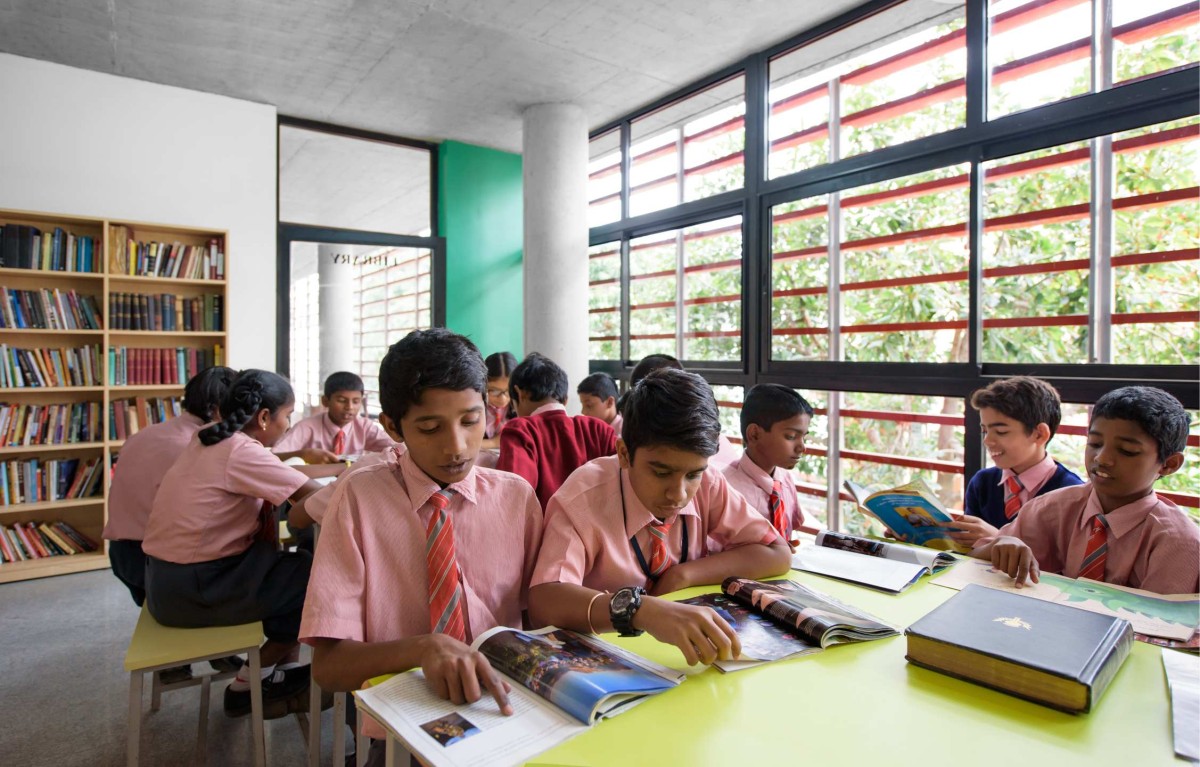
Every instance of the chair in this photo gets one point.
(155, 647)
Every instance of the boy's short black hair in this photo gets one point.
(540, 378)
(649, 364)
(599, 385)
(343, 380)
(768, 404)
(673, 408)
(203, 394)
(1022, 398)
(428, 359)
(1158, 413)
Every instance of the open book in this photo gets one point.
(911, 511)
(562, 683)
(887, 566)
(782, 619)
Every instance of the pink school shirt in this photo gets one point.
(208, 505)
(317, 504)
(745, 476)
(616, 424)
(1032, 478)
(1152, 545)
(586, 540)
(370, 581)
(362, 436)
(726, 453)
(145, 458)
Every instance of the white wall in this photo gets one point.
(89, 144)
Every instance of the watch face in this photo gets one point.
(621, 600)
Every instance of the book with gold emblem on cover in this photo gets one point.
(1059, 656)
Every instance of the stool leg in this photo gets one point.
(339, 728)
(256, 710)
(155, 691)
(362, 744)
(314, 725)
(202, 736)
(134, 725)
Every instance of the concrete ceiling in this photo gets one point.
(446, 69)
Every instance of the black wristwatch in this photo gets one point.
(623, 606)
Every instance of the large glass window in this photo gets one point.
(604, 301)
(604, 178)
(391, 299)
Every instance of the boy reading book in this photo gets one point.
(598, 398)
(624, 529)
(422, 553)
(1116, 528)
(775, 422)
(1018, 417)
(340, 431)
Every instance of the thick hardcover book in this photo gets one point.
(1059, 656)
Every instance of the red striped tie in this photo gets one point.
(1096, 553)
(775, 504)
(1012, 496)
(445, 589)
(660, 560)
(339, 443)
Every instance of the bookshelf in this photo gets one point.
(155, 356)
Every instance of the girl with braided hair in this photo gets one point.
(212, 554)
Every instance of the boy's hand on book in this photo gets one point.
(317, 455)
(1013, 556)
(967, 529)
(888, 533)
(699, 633)
(454, 671)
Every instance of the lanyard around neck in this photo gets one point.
(637, 550)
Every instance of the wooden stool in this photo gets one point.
(155, 647)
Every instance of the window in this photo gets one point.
(391, 299)
(604, 179)
(604, 301)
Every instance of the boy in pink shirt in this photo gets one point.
(1116, 528)
(775, 421)
(145, 458)
(423, 553)
(624, 529)
(338, 432)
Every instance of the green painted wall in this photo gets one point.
(480, 210)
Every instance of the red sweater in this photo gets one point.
(545, 448)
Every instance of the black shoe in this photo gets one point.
(298, 703)
(175, 674)
(229, 663)
(276, 690)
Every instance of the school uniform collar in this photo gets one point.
(1034, 477)
(755, 472)
(193, 420)
(637, 516)
(419, 486)
(550, 408)
(332, 428)
(1120, 520)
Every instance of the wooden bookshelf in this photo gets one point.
(88, 515)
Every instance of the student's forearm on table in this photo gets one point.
(566, 605)
(342, 665)
(755, 560)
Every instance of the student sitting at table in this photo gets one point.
(338, 432)
(775, 421)
(625, 529)
(726, 452)
(598, 398)
(423, 553)
(1116, 528)
(1018, 417)
(545, 444)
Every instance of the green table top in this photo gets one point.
(863, 703)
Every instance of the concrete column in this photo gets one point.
(335, 297)
(554, 159)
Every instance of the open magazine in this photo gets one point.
(911, 511)
(562, 683)
(888, 566)
(782, 619)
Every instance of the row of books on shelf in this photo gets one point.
(35, 480)
(58, 424)
(27, 247)
(36, 368)
(153, 367)
(159, 259)
(38, 540)
(128, 416)
(49, 310)
(165, 311)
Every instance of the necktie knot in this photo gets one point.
(441, 499)
(660, 530)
